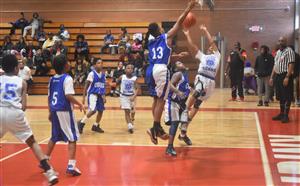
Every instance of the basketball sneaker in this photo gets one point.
(171, 151)
(73, 171)
(278, 117)
(80, 126)
(96, 128)
(152, 133)
(130, 128)
(51, 176)
(160, 132)
(186, 139)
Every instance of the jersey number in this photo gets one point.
(9, 91)
(157, 53)
(54, 98)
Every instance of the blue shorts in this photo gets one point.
(64, 127)
(95, 102)
(157, 79)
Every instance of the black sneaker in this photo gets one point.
(278, 117)
(266, 103)
(285, 119)
(161, 133)
(171, 151)
(151, 132)
(96, 128)
(80, 126)
(260, 103)
(186, 139)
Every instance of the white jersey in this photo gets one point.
(209, 64)
(10, 91)
(127, 85)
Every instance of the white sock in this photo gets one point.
(72, 163)
(130, 126)
(83, 119)
(96, 124)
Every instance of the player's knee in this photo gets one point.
(199, 93)
(30, 141)
(173, 128)
(197, 104)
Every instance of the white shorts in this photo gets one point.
(95, 103)
(126, 103)
(174, 113)
(161, 76)
(207, 84)
(14, 121)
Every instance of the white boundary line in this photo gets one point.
(264, 156)
(20, 151)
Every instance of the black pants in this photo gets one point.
(236, 85)
(285, 93)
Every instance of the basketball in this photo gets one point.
(189, 21)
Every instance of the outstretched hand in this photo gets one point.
(186, 32)
(203, 27)
(193, 3)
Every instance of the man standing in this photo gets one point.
(235, 70)
(283, 67)
(263, 68)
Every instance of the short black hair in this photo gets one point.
(9, 63)
(95, 60)
(59, 63)
(80, 36)
(153, 29)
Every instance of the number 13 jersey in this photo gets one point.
(159, 51)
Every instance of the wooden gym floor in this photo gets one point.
(234, 143)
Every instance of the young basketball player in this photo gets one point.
(12, 106)
(128, 95)
(95, 89)
(157, 75)
(176, 111)
(205, 78)
(61, 101)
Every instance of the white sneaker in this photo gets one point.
(51, 175)
(130, 128)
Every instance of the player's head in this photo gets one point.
(10, 64)
(154, 29)
(129, 69)
(98, 63)
(60, 64)
(264, 49)
(210, 49)
(22, 64)
(178, 67)
(120, 65)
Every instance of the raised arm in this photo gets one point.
(192, 47)
(172, 33)
(208, 36)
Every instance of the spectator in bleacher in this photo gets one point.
(81, 71)
(21, 44)
(33, 26)
(25, 73)
(117, 73)
(63, 33)
(138, 63)
(28, 53)
(108, 40)
(1, 72)
(41, 36)
(81, 47)
(137, 45)
(126, 55)
(19, 24)
(7, 44)
(49, 43)
(263, 69)
(59, 48)
(109, 73)
(41, 65)
(124, 38)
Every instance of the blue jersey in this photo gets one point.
(159, 51)
(57, 98)
(182, 86)
(98, 84)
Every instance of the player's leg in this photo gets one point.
(100, 108)
(72, 169)
(50, 148)
(92, 102)
(128, 120)
(172, 133)
(184, 118)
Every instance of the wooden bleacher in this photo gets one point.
(94, 34)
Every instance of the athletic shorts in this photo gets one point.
(204, 84)
(95, 102)
(174, 112)
(13, 120)
(126, 103)
(64, 127)
(157, 79)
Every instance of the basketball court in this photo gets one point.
(234, 143)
